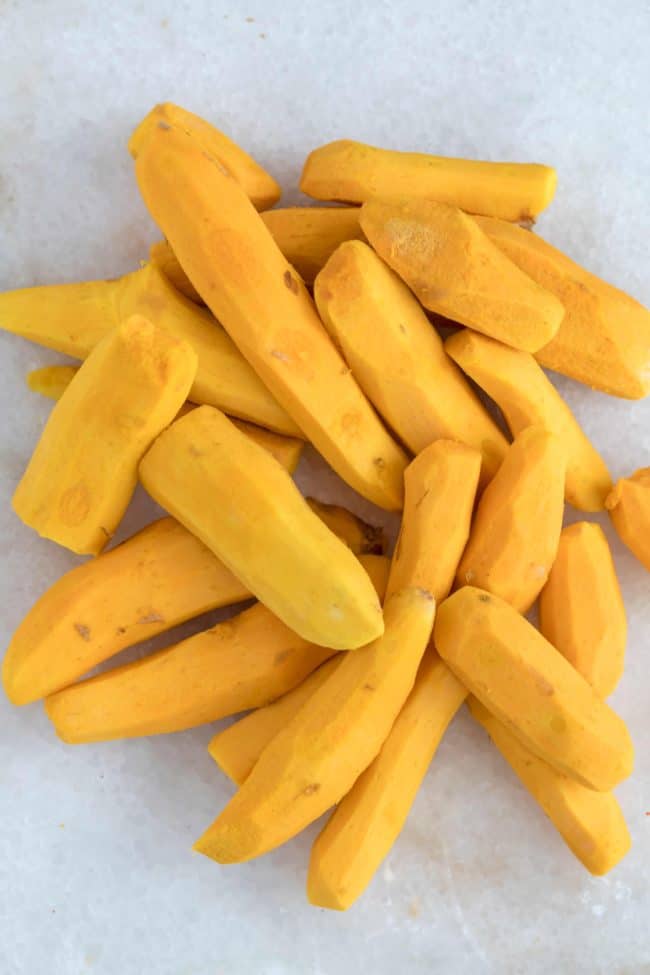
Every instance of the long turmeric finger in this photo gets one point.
(581, 609)
(238, 747)
(242, 663)
(315, 759)
(162, 256)
(398, 358)
(258, 185)
(604, 338)
(517, 527)
(629, 508)
(240, 502)
(354, 172)
(455, 270)
(368, 820)
(526, 397)
(239, 271)
(73, 318)
(529, 686)
(308, 236)
(590, 823)
(439, 491)
(84, 469)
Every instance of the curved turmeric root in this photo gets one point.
(258, 185)
(526, 397)
(529, 686)
(629, 508)
(354, 172)
(517, 527)
(84, 469)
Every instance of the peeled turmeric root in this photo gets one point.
(354, 172)
(590, 823)
(629, 508)
(529, 686)
(84, 469)
(239, 271)
(258, 185)
(604, 338)
(526, 397)
(455, 270)
(517, 527)
(162, 256)
(581, 610)
(308, 236)
(398, 358)
(368, 820)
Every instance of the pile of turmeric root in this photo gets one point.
(206, 370)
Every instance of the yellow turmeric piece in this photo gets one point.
(368, 820)
(84, 469)
(354, 172)
(238, 747)
(604, 338)
(455, 270)
(590, 823)
(581, 609)
(516, 531)
(398, 358)
(362, 538)
(239, 501)
(319, 754)
(529, 686)
(629, 508)
(526, 397)
(234, 263)
(242, 663)
(439, 491)
(162, 256)
(73, 318)
(258, 185)
(308, 236)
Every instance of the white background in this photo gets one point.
(96, 873)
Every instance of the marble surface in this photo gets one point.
(96, 873)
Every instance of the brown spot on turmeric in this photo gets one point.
(291, 282)
(121, 630)
(369, 687)
(152, 617)
(484, 598)
(165, 126)
(379, 463)
(281, 656)
(83, 631)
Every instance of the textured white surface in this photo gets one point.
(96, 873)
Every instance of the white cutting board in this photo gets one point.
(96, 873)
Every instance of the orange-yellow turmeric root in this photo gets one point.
(517, 527)
(629, 508)
(581, 610)
(455, 270)
(398, 358)
(232, 260)
(590, 823)
(84, 469)
(526, 397)
(242, 663)
(604, 338)
(529, 686)
(308, 236)
(258, 185)
(354, 172)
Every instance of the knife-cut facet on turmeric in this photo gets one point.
(354, 172)
(237, 748)
(242, 663)
(439, 491)
(581, 610)
(604, 338)
(455, 270)
(162, 256)
(308, 236)
(258, 185)
(398, 358)
(368, 820)
(526, 397)
(239, 501)
(311, 764)
(237, 268)
(73, 318)
(526, 683)
(629, 508)
(590, 823)
(517, 527)
(84, 469)
(358, 535)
